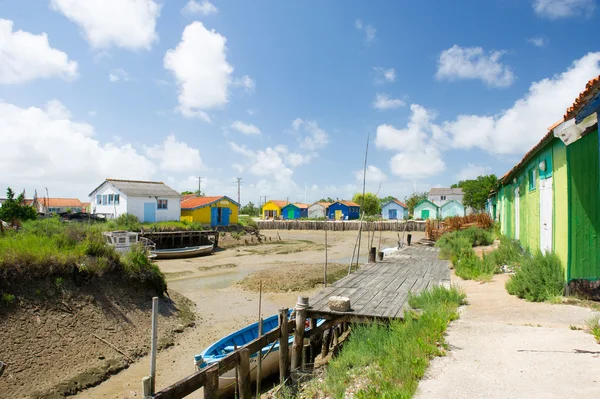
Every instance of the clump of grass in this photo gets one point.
(390, 360)
(539, 278)
(8, 298)
(247, 221)
(593, 325)
(508, 253)
(137, 265)
(458, 246)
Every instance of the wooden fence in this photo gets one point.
(410, 225)
(302, 355)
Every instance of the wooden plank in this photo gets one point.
(244, 380)
(371, 308)
(211, 389)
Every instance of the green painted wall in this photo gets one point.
(560, 225)
(584, 217)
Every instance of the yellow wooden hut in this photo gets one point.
(272, 209)
(216, 211)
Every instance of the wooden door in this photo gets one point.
(546, 215)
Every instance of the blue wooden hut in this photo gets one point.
(294, 211)
(394, 210)
(452, 208)
(343, 210)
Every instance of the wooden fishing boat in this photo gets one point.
(187, 252)
(228, 344)
(122, 241)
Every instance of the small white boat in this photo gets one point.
(122, 241)
(187, 252)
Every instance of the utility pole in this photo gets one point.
(199, 186)
(239, 179)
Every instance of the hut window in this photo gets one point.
(532, 179)
(117, 199)
(98, 199)
(443, 197)
(162, 204)
(104, 199)
(111, 198)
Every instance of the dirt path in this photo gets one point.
(221, 306)
(504, 347)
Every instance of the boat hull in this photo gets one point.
(180, 253)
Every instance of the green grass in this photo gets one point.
(389, 361)
(593, 325)
(49, 247)
(540, 278)
(247, 221)
(457, 247)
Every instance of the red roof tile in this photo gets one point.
(187, 197)
(196, 202)
(591, 88)
(402, 204)
(349, 203)
(278, 203)
(60, 202)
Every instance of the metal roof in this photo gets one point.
(445, 191)
(138, 188)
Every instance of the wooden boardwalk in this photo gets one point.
(381, 289)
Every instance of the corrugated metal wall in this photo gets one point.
(584, 217)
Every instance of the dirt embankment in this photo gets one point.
(58, 338)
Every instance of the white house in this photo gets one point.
(149, 201)
(439, 196)
(318, 210)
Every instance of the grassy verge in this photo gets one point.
(540, 278)
(388, 361)
(50, 247)
(593, 325)
(293, 277)
(457, 247)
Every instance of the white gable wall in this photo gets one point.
(134, 205)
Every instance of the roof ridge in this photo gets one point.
(136, 181)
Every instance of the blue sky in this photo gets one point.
(283, 94)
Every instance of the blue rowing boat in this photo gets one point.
(226, 345)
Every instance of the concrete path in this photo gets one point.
(504, 347)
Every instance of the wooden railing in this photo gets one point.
(319, 337)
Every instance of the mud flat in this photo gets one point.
(222, 307)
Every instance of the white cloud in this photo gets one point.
(175, 156)
(374, 174)
(48, 149)
(537, 41)
(516, 129)
(416, 165)
(383, 101)
(369, 30)
(472, 171)
(118, 74)
(314, 137)
(418, 155)
(246, 82)
(129, 24)
(252, 111)
(204, 8)
(245, 128)
(25, 57)
(383, 75)
(555, 9)
(199, 64)
(473, 63)
(267, 162)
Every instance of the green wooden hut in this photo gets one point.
(550, 200)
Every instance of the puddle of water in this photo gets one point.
(215, 282)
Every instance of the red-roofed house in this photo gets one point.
(58, 205)
(216, 211)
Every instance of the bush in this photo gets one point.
(128, 222)
(137, 265)
(508, 253)
(539, 278)
(247, 221)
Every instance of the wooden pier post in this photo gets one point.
(284, 355)
(372, 255)
(326, 342)
(244, 381)
(298, 346)
(211, 389)
(153, 346)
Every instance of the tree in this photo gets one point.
(328, 199)
(15, 208)
(187, 192)
(413, 200)
(249, 209)
(476, 191)
(198, 193)
(370, 206)
(387, 199)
